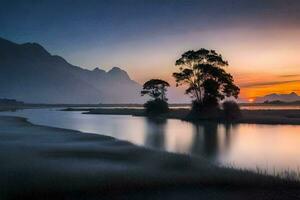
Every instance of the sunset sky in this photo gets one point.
(259, 38)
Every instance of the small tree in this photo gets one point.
(207, 81)
(156, 89)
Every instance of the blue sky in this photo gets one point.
(146, 37)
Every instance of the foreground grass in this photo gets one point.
(48, 163)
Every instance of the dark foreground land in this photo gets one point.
(39, 162)
(247, 116)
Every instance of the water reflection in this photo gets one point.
(205, 140)
(155, 133)
(229, 128)
(245, 146)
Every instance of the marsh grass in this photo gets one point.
(289, 175)
(53, 163)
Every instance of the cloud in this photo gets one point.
(270, 83)
(289, 76)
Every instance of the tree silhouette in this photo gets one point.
(203, 72)
(156, 89)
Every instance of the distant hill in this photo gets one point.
(10, 102)
(282, 102)
(292, 97)
(30, 73)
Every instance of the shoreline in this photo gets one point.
(273, 117)
(44, 162)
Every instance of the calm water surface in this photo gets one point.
(259, 107)
(270, 147)
(243, 107)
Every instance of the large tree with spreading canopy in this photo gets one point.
(204, 74)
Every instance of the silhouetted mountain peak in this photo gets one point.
(35, 48)
(97, 70)
(115, 70)
(279, 97)
(59, 59)
(118, 72)
(272, 95)
(4, 42)
(33, 45)
(30, 73)
(29, 46)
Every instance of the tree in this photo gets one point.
(156, 89)
(203, 72)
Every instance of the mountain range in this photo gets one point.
(278, 97)
(31, 74)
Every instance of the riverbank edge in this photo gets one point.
(271, 117)
(173, 170)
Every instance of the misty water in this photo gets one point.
(269, 147)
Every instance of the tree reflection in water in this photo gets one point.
(211, 139)
(205, 142)
(155, 133)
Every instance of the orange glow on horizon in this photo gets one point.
(253, 92)
(251, 100)
(259, 64)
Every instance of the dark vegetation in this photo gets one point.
(231, 110)
(156, 89)
(207, 81)
(156, 106)
(207, 84)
